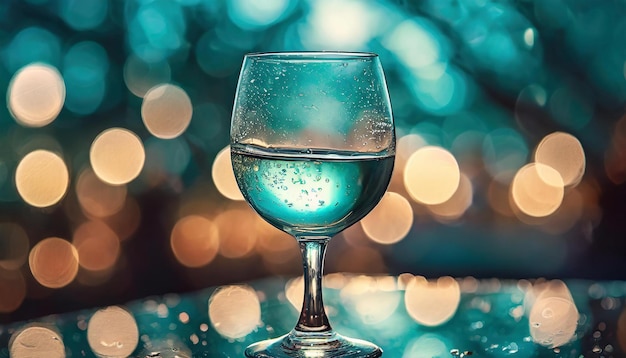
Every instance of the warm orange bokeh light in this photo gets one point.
(97, 245)
(272, 240)
(126, 221)
(294, 291)
(112, 332)
(498, 194)
(537, 190)
(236, 237)
(235, 311)
(564, 153)
(53, 262)
(36, 95)
(224, 177)
(390, 221)
(553, 316)
(117, 156)
(41, 178)
(407, 145)
(36, 341)
(432, 303)
(279, 250)
(431, 175)
(166, 111)
(12, 290)
(195, 241)
(456, 206)
(98, 198)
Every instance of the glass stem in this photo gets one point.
(313, 316)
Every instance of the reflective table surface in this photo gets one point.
(408, 316)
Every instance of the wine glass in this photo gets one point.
(312, 146)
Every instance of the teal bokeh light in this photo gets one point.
(504, 151)
(216, 58)
(258, 14)
(430, 131)
(444, 95)
(156, 30)
(32, 44)
(167, 156)
(83, 14)
(209, 128)
(501, 44)
(85, 68)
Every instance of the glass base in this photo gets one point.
(313, 345)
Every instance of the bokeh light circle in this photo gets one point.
(195, 241)
(36, 341)
(294, 291)
(458, 203)
(12, 289)
(41, 178)
(431, 175)
(564, 153)
(97, 245)
(53, 262)
(112, 332)
(504, 150)
(34, 44)
(390, 221)
(15, 245)
(428, 345)
(234, 311)
(85, 68)
(553, 321)
(537, 190)
(224, 177)
(117, 156)
(236, 238)
(84, 14)
(432, 303)
(254, 15)
(98, 198)
(36, 95)
(140, 76)
(166, 111)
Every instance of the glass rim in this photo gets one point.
(311, 55)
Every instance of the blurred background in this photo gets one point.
(115, 175)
